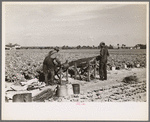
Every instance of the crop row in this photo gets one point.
(24, 65)
(117, 93)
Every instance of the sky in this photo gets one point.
(73, 24)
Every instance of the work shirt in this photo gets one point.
(49, 65)
(103, 54)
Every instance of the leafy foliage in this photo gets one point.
(22, 65)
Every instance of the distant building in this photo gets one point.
(140, 46)
(7, 48)
(17, 46)
(10, 46)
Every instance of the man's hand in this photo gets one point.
(98, 58)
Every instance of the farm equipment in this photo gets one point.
(83, 69)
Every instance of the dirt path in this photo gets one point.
(110, 90)
(114, 78)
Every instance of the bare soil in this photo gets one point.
(110, 90)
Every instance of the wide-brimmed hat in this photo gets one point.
(102, 44)
(51, 52)
(56, 48)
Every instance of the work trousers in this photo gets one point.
(49, 77)
(103, 71)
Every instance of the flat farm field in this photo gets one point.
(26, 64)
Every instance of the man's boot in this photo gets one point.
(101, 78)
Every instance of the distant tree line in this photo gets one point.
(63, 47)
(51, 47)
(123, 46)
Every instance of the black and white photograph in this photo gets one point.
(77, 54)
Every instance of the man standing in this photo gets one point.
(103, 61)
(49, 67)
